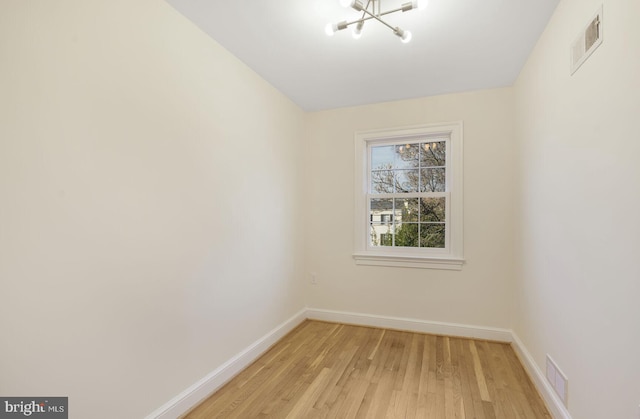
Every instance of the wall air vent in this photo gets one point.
(557, 379)
(590, 39)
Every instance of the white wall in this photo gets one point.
(578, 208)
(149, 201)
(141, 165)
(481, 293)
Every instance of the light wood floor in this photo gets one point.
(326, 370)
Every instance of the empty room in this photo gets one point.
(319, 209)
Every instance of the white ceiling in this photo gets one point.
(457, 45)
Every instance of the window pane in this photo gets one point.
(381, 224)
(386, 239)
(406, 210)
(407, 156)
(407, 181)
(432, 235)
(381, 234)
(432, 180)
(382, 181)
(380, 208)
(382, 157)
(433, 154)
(432, 209)
(407, 235)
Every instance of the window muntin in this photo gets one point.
(412, 178)
(409, 167)
(412, 201)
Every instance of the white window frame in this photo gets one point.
(451, 257)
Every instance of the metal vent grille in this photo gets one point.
(587, 42)
(592, 34)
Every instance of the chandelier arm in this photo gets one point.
(373, 14)
(364, 19)
(366, 7)
(390, 11)
(380, 20)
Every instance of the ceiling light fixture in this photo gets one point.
(372, 11)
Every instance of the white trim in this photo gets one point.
(450, 258)
(551, 399)
(190, 397)
(412, 325)
(408, 261)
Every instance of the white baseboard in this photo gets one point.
(190, 397)
(412, 325)
(553, 402)
(551, 399)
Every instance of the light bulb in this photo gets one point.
(405, 36)
(330, 29)
(415, 4)
(357, 30)
(357, 5)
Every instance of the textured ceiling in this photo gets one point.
(457, 45)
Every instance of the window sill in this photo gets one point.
(445, 263)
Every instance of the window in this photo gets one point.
(409, 197)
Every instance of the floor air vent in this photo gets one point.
(590, 39)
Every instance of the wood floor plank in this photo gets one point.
(465, 383)
(411, 384)
(336, 371)
(447, 372)
(530, 398)
(479, 372)
(302, 407)
(423, 382)
(471, 381)
(375, 349)
(458, 396)
(353, 400)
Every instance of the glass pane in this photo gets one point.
(433, 154)
(381, 222)
(407, 181)
(406, 210)
(432, 180)
(381, 234)
(432, 209)
(432, 235)
(379, 208)
(382, 157)
(407, 156)
(407, 235)
(382, 181)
